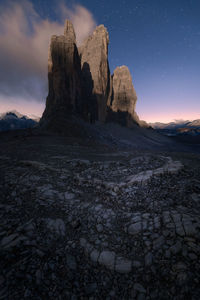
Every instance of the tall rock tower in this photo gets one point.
(64, 76)
(80, 83)
(95, 72)
(123, 98)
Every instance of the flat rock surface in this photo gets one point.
(76, 225)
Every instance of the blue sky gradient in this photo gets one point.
(159, 41)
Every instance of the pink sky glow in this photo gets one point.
(30, 108)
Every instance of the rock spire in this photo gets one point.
(80, 82)
(95, 68)
(64, 76)
(123, 99)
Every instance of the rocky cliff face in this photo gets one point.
(64, 75)
(96, 73)
(123, 98)
(80, 81)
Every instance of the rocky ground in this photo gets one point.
(86, 221)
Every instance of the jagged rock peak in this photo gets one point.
(101, 29)
(64, 76)
(95, 69)
(123, 98)
(69, 31)
(124, 95)
(124, 68)
(99, 33)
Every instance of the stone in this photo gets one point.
(107, 259)
(180, 266)
(136, 264)
(90, 288)
(141, 297)
(94, 255)
(167, 254)
(158, 243)
(166, 217)
(181, 278)
(123, 99)
(122, 265)
(144, 225)
(57, 226)
(7, 239)
(71, 262)
(136, 219)
(96, 73)
(99, 228)
(38, 276)
(64, 76)
(148, 259)
(192, 256)
(69, 196)
(179, 229)
(189, 228)
(138, 287)
(176, 248)
(176, 217)
(88, 248)
(196, 198)
(12, 240)
(135, 228)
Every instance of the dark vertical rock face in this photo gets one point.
(123, 98)
(95, 71)
(64, 75)
(80, 82)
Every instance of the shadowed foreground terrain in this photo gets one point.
(93, 218)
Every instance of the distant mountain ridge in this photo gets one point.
(13, 120)
(176, 124)
(179, 127)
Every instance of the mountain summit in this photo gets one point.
(13, 120)
(80, 83)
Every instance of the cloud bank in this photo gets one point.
(24, 40)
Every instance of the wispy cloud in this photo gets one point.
(81, 18)
(24, 40)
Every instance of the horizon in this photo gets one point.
(37, 109)
(28, 114)
(162, 61)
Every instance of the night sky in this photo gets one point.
(158, 40)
